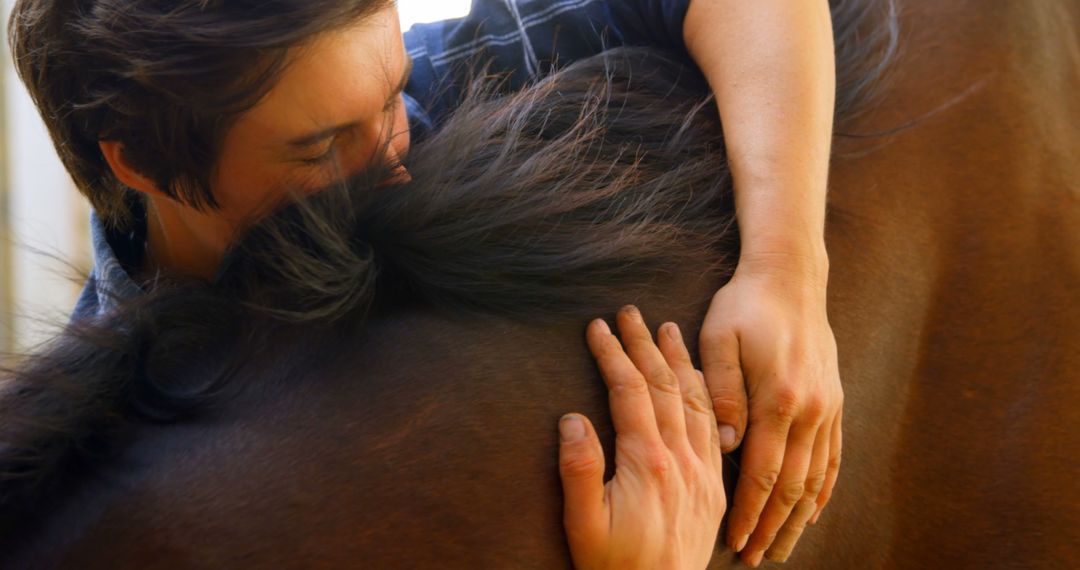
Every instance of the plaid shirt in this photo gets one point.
(522, 38)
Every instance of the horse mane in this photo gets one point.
(536, 204)
(604, 175)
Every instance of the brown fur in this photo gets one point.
(955, 261)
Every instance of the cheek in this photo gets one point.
(247, 187)
(402, 138)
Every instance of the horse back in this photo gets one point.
(955, 267)
(426, 441)
(420, 442)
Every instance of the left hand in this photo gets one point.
(766, 339)
(663, 507)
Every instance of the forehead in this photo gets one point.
(339, 77)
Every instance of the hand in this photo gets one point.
(766, 335)
(663, 507)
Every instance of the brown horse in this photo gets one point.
(424, 435)
(955, 253)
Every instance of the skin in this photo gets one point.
(663, 507)
(259, 164)
(955, 246)
(767, 351)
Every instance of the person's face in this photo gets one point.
(330, 113)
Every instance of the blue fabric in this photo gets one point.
(522, 38)
(526, 39)
(109, 283)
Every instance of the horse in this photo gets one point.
(376, 378)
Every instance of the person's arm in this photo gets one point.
(770, 62)
(663, 507)
(771, 66)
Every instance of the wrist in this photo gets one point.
(785, 234)
(802, 264)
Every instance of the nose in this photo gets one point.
(395, 153)
(399, 175)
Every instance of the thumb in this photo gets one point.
(722, 367)
(581, 468)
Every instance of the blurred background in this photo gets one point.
(44, 236)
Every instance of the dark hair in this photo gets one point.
(607, 176)
(166, 79)
(543, 202)
(537, 204)
(604, 176)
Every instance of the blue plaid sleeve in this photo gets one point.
(524, 39)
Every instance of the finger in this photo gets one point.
(720, 362)
(700, 422)
(835, 443)
(663, 384)
(581, 468)
(718, 449)
(762, 458)
(628, 394)
(789, 489)
(793, 528)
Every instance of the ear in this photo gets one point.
(113, 151)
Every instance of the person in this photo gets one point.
(184, 124)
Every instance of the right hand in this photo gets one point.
(663, 507)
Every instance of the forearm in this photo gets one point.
(771, 65)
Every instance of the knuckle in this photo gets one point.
(697, 403)
(630, 385)
(815, 483)
(834, 461)
(658, 463)
(764, 481)
(786, 404)
(728, 403)
(662, 378)
(796, 526)
(689, 470)
(790, 493)
(734, 394)
(814, 407)
(804, 510)
(579, 464)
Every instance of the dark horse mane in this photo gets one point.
(609, 174)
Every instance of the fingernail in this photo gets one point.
(634, 312)
(673, 332)
(571, 428)
(755, 559)
(817, 515)
(602, 324)
(727, 437)
(741, 543)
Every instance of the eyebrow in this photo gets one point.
(317, 137)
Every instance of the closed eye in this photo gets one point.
(322, 158)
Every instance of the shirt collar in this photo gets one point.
(114, 253)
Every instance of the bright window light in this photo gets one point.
(423, 11)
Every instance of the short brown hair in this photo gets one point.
(164, 78)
